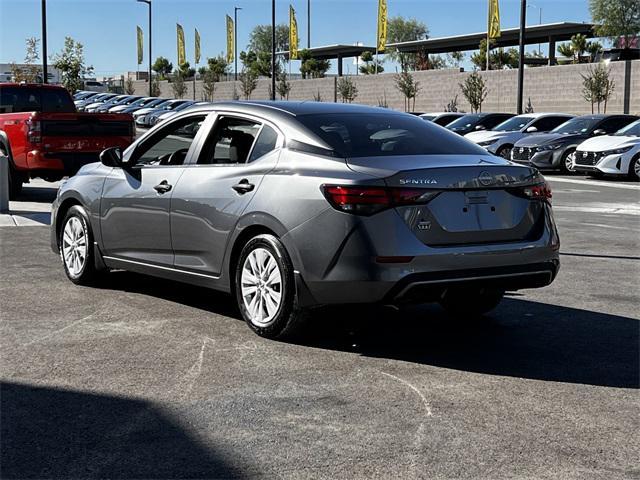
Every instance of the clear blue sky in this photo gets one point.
(107, 27)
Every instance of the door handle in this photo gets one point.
(243, 186)
(163, 187)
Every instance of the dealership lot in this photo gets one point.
(146, 378)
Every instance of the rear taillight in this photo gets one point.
(360, 200)
(541, 191)
(34, 132)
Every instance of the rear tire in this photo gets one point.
(470, 302)
(75, 241)
(265, 289)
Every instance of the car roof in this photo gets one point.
(297, 108)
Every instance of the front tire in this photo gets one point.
(470, 302)
(76, 247)
(634, 169)
(566, 163)
(265, 288)
(505, 152)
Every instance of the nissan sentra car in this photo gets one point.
(293, 205)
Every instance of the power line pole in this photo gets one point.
(235, 40)
(523, 21)
(273, 49)
(148, 2)
(45, 74)
(308, 23)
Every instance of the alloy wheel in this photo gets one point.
(74, 246)
(636, 168)
(261, 286)
(568, 161)
(505, 153)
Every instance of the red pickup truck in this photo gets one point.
(44, 136)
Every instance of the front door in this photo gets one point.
(215, 190)
(134, 213)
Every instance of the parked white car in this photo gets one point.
(617, 154)
(500, 139)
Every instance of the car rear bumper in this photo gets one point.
(62, 163)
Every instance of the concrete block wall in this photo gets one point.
(551, 89)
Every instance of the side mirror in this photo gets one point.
(112, 157)
(480, 127)
(599, 132)
(532, 130)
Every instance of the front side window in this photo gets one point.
(171, 144)
(612, 125)
(230, 141)
(385, 134)
(631, 130)
(576, 126)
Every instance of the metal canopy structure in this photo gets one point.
(336, 52)
(546, 33)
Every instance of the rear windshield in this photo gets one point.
(25, 99)
(356, 135)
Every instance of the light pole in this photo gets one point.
(308, 23)
(523, 23)
(45, 75)
(273, 49)
(235, 40)
(531, 5)
(148, 2)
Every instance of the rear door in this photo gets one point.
(134, 216)
(215, 190)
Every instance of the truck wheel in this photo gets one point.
(470, 301)
(76, 247)
(265, 288)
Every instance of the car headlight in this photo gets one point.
(553, 146)
(617, 151)
(487, 143)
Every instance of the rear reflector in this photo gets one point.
(361, 200)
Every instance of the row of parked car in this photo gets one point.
(146, 111)
(597, 145)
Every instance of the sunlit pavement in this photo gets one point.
(146, 378)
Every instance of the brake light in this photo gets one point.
(34, 132)
(541, 191)
(361, 200)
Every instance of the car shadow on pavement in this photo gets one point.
(37, 194)
(55, 433)
(521, 338)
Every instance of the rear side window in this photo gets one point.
(385, 134)
(230, 142)
(490, 122)
(612, 125)
(24, 99)
(266, 142)
(547, 124)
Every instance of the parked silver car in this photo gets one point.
(292, 205)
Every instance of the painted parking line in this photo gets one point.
(594, 183)
(614, 209)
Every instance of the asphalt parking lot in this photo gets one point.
(145, 378)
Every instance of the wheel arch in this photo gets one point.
(62, 210)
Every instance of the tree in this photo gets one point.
(260, 43)
(248, 82)
(218, 66)
(454, 59)
(162, 67)
(155, 87)
(529, 107)
(498, 58)
(475, 91)
(259, 63)
(283, 87)
(617, 19)
(347, 89)
(70, 63)
(186, 71)
(452, 106)
(129, 86)
(400, 29)
(370, 66)
(424, 61)
(31, 73)
(597, 86)
(317, 97)
(577, 47)
(312, 67)
(178, 86)
(409, 87)
(208, 85)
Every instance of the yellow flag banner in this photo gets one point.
(382, 25)
(140, 55)
(293, 34)
(182, 56)
(230, 42)
(197, 47)
(494, 19)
